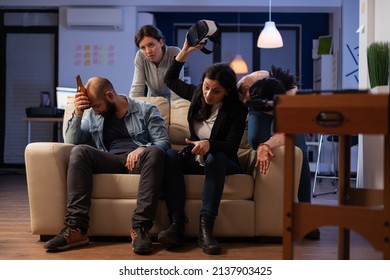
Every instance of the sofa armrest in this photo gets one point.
(268, 194)
(46, 168)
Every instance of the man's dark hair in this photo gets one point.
(284, 76)
(266, 88)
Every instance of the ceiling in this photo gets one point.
(287, 6)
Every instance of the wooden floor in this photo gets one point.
(17, 242)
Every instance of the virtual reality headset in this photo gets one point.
(203, 30)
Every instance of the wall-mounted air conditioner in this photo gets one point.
(94, 18)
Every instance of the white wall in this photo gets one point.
(111, 52)
(350, 45)
(374, 22)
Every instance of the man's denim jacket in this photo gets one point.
(143, 121)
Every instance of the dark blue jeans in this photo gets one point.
(85, 161)
(217, 166)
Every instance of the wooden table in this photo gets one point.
(364, 210)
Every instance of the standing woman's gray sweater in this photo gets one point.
(146, 73)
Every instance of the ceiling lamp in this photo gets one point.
(238, 64)
(270, 37)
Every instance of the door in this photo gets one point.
(29, 68)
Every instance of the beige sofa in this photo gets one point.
(251, 204)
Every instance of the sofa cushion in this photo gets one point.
(125, 186)
(162, 105)
(178, 128)
(247, 160)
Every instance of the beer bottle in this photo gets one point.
(80, 86)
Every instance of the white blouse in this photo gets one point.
(203, 128)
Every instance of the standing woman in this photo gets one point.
(216, 119)
(151, 63)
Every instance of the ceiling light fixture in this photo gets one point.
(238, 64)
(270, 37)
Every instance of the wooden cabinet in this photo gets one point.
(364, 210)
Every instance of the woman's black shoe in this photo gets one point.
(206, 240)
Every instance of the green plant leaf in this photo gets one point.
(378, 55)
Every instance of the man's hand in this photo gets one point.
(81, 103)
(133, 157)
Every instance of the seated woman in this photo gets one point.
(262, 137)
(216, 119)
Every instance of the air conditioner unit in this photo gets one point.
(94, 18)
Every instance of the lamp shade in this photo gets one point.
(239, 65)
(270, 37)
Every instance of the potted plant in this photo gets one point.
(378, 54)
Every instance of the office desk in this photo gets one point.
(56, 120)
(364, 210)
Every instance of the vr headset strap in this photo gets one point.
(212, 29)
(207, 51)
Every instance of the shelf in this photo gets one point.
(324, 73)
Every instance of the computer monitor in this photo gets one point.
(64, 95)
